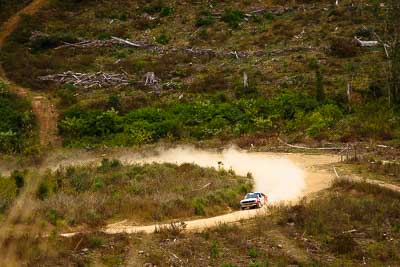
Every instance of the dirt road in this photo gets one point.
(299, 174)
(45, 112)
(282, 176)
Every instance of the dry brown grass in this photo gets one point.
(150, 193)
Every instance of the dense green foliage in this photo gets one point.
(151, 192)
(291, 113)
(16, 124)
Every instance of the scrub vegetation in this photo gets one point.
(300, 61)
(351, 224)
(95, 195)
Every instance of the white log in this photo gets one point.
(366, 43)
(125, 41)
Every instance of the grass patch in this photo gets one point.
(148, 193)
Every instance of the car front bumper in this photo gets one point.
(248, 205)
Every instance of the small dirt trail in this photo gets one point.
(12, 23)
(45, 112)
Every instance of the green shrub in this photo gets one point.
(3, 87)
(52, 216)
(19, 178)
(67, 97)
(215, 251)
(204, 19)
(104, 35)
(43, 191)
(233, 17)
(167, 11)
(323, 120)
(114, 101)
(199, 207)
(253, 253)
(107, 164)
(95, 241)
(163, 39)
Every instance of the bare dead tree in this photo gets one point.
(349, 90)
(245, 80)
(150, 78)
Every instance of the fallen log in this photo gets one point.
(127, 42)
(309, 148)
(366, 43)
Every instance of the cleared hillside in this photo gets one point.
(299, 60)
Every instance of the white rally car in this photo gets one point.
(253, 200)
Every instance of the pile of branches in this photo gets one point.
(88, 80)
(154, 48)
(103, 43)
(195, 51)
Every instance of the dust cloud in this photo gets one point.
(277, 176)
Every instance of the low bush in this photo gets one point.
(163, 39)
(233, 17)
(204, 19)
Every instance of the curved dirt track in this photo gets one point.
(45, 112)
(282, 176)
(317, 172)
